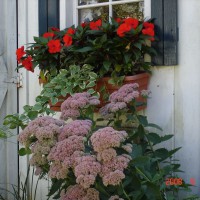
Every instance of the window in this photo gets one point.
(87, 10)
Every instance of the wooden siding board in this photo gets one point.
(43, 16)
(170, 32)
(157, 13)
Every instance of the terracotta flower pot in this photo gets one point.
(141, 79)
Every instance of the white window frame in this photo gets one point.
(69, 10)
(110, 3)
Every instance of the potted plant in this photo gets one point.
(116, 50)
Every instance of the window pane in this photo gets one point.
(88, 14)
(87, 2)
(134, 10)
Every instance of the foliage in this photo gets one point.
(117, 47)
(148, 165)
(68, 81)
(21, 191)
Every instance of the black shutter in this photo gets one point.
(165, 14)
(48, 15)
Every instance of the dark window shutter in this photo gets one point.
(48, 15)
(165, 14)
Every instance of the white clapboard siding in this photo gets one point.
(27, 28)
(8, 94)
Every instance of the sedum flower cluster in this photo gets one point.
(121, 98)
(71, 107)
(40, 136)
(77, 150)
(104, 142)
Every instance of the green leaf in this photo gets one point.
(154, 126)
(27, 108)
(153, 192)
(154, 138)
(24, 151)
(93, 75)
(84, 49)
(138, 45)
(56, 185)
(140, 132)
(141, 161)
(91, 84)
(127, 58)
(166, 137)
(162, 153)
(37, 107)
(32, 114)
(174, 151)
(118, 68)
(54, 100)
(137, 151)
(143, 120)
(106, 65)
(91, 91)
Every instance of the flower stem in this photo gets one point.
(140, 172)
(124, 192)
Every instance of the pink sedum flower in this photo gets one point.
(76, 192)
(107, 137)
(87, 170)
(76, 127)
(116, 197)
(70, 107)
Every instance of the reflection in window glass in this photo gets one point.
(134, 10)
(88, 14)
(87, 2)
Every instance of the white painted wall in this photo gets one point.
(27, 28)
(8, 147)
(175, 102)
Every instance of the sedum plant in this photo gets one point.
(86, 159)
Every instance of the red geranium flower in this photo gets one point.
(67, 40)
(148, 31)
(132, 22)
(19, 53)
(95, 25)
(148, 25)
(84, 24)
(28, 64)
(55, 29)
(70, 31)
(48, 34)
(122, 29)
(118, 20)
(54, 46)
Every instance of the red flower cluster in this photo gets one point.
(48, 34)
(132, 22)
(54, 46)
(20, 53)
(55, 29)
(148, 30)
(68, 38)
(126, 26)
(95, 25)
(27, 63)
